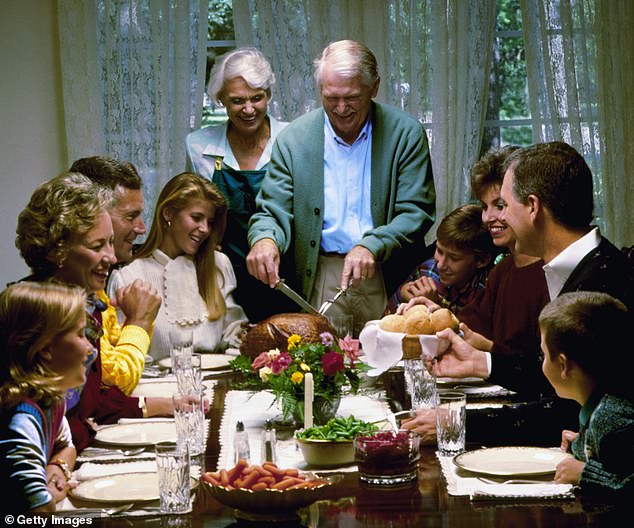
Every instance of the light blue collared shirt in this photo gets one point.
(561, 267)
(347, 178)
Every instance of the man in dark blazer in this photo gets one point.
(548, 196)
(549, 205)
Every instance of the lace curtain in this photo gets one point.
(615, 95)
(561, 68)
(411, 38)
(291, 34)
(133, 81)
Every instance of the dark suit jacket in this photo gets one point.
(605, 269)
(540, 421)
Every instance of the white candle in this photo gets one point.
(309, 392)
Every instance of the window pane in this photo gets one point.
(220, 40)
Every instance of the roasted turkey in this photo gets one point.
(273, 332)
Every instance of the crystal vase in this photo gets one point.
(323, 410)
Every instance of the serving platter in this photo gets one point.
(113, 489)
(270, 505)
(511, 461)
(144, 433)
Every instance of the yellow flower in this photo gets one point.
(293, 341)
(297, 378)
(304, 367)
(265, 372)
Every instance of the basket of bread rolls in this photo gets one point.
(419, 326)
(412, 335)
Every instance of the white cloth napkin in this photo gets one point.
(383, 350)
(478, 490)
(90, 470)
(111, 455)
(253, 409)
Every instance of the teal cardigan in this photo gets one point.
(290, 204)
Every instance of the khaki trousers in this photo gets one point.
(364, 302)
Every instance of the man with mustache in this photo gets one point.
(348, 193)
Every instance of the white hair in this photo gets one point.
(348, 59)
(248, 63)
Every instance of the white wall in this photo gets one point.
(32, 141)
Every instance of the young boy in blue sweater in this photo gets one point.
(587, 360)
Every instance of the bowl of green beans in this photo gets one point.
(331, 445)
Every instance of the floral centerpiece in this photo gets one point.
(333, 363)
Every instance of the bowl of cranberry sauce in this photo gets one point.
(387, 457)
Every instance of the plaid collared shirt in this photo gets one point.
(449, 297)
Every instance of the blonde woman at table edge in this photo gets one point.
(44, 348)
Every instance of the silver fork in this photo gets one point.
(101, 511)
(118, 509)
(329, 302)
(515, 481)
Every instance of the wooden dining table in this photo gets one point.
(351, 503)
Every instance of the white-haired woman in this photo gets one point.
(234, 155)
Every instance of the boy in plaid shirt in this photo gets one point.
(457, 273)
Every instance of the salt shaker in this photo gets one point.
(268, 443)
(241, 448)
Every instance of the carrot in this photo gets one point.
(236, 470)
(208, 477)
(285, 483)
(258, 486)
(273, 469)
(269, 481)
(250, 479)
(224, 477)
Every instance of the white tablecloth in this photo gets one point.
(253, 409)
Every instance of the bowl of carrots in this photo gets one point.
(266, 492)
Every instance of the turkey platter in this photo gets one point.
(273, 332)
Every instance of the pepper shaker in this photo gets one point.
(241, 448)
(269, 440)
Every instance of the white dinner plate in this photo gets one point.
(459, 381)
(126, 487)
(207, 361)
(144, 433)
(510, 461)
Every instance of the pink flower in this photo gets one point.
(332, 362)
(350, 348)
(326, 339)
(281, 363)
(262, 360)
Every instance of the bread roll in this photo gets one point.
(419, 325)
(393, 323)
(418, 310)
(444, 318)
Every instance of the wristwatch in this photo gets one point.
(63, 465)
